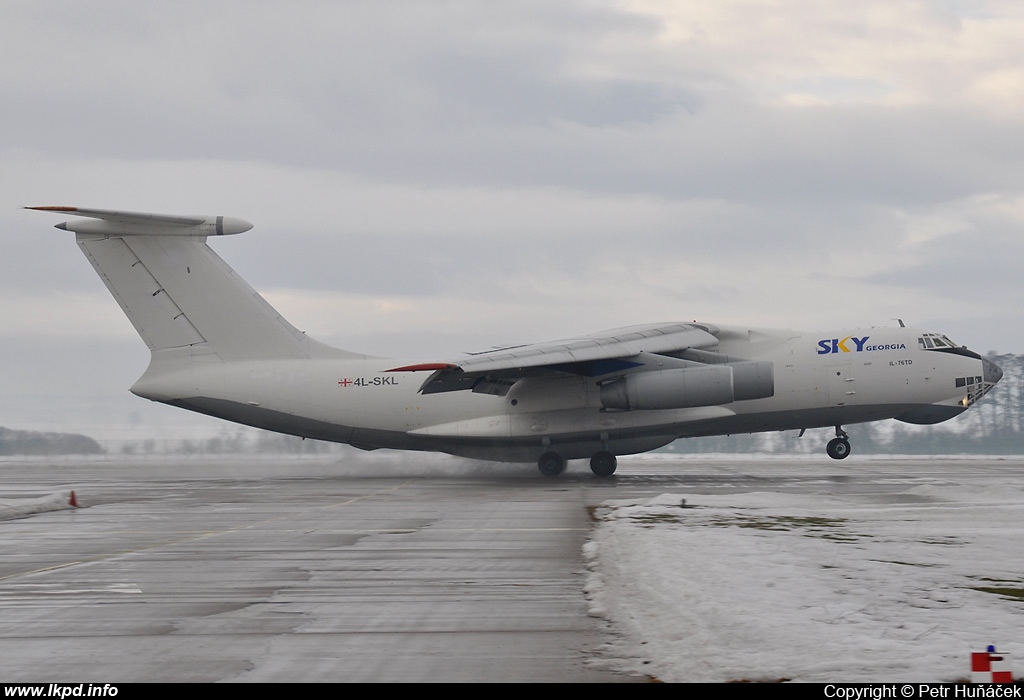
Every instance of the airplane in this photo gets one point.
(218, 348)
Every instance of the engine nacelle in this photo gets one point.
(711, 385)
(752, 380)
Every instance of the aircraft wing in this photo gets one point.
(605, 353)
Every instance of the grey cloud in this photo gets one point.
(510, 91)
(411, 94)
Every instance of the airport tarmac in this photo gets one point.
(361, 568)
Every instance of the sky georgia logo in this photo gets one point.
(852, 343)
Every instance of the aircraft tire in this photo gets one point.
(838, 448)
(551, 464)
(603, 464)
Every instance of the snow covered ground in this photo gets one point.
(23, 507)
(833, 586)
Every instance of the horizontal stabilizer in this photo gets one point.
(107, 222)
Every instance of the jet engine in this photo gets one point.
(709, 385)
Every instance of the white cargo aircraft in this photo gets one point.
(218, 348)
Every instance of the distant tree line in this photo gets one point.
(30, 442)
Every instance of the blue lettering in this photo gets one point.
(834, 345)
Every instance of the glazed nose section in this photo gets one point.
(990, 372)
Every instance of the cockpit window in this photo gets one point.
(933, 340)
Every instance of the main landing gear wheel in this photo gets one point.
(603, 463)
(838, 448)
(551, 464)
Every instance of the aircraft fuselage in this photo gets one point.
(820, 380)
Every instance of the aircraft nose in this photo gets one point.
(990, 372)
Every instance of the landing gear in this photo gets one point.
(603, 463)
(839, 446)
(551, 464)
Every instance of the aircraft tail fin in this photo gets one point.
(178, 293)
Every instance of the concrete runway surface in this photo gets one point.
(361, 568)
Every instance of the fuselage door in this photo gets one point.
(842, 390)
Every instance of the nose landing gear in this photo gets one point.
(839, 446)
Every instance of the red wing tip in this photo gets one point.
(53, 208)
(425, 367)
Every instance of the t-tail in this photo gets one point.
(185, 302)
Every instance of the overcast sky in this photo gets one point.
(432, 177)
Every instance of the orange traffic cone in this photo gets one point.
(73, 502)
